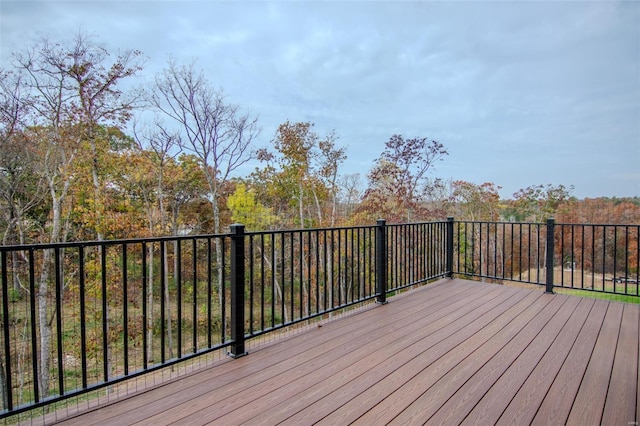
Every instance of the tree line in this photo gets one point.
(76, 165)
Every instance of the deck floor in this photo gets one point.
(453, 352)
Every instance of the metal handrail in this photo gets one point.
(82, 316)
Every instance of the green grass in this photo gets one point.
(599, 295)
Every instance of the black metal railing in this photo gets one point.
(295, 276)
(592, 257)
(82, 316)
(77, 317)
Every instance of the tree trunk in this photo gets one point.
(43, 289)
(3, 386)
(45, 328)
(98, 206)
(219, 256)
(149, 324)
(279, 291)
(167, 305)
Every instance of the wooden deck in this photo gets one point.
(454, 352)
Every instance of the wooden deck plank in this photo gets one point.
(487, 398)
(480, 345)
(338, 369)
(367, 397)
(559, 398)
(335, 336)
(453, 352)
(619, 408)
(326, 400)
(588, 406)
(241, 387)
(523, 406)
(430, 402)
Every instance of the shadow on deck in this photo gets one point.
(452, 352)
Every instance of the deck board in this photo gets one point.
(322, 402)
(343, 368)
(522, 406)
(372, 395)
(559, 398)
(619, 408)
(257, 399)
(517, 354)
(452, 352)
(490, 397)
(588, 406)
(445, 391)
(183, 393)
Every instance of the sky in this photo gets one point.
(520, 93)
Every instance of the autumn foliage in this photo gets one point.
(74, 166)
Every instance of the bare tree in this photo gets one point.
(351, 192)
(98, 101)
(216, 132)
(54, 138)
(213, 130)
(20, 186)
(73, 94)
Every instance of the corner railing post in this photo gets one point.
(237, 291)
(550, 249)
(450, 221)
(381, 261)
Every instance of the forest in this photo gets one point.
(75, 165)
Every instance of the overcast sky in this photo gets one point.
(520, 93)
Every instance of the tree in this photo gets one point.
(216, 132)
(21, 189)
(300, 180)
(475, 202)
(303, 169)
(158, 147)
(332, 157)
(99, 102)
(247, 210)
(539, 202)
(73, 93)
(398, 178)
(478, 203)
(350, 193)
(58, 146)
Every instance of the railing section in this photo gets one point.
(593, 257)
(416, 253)
(84, 315)
(601, 258)
(78, 317)
(294, 276)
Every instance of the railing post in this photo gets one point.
(381, 262)
(237, 291)
(449, 265)
(550, 249)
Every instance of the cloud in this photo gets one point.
(521, 93)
